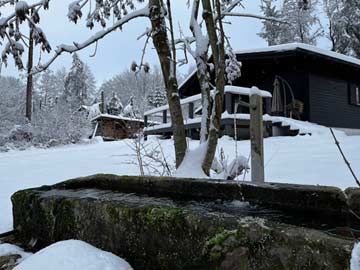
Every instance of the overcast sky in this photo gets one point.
(117, 50)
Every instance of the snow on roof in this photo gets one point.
(302, 46)
(117, 117)
(291, 47)
(246, 91)
(192, 73)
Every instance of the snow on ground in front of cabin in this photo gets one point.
(301, 159)
(73, 255)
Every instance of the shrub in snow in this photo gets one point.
(230, 171)
(73, 255)
(60, 124)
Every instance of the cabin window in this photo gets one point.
(355, 95)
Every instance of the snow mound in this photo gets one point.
(191, 167)
(73, 255)
(8, 249)
(355, 257)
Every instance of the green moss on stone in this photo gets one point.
(113, 214)
(166, 217)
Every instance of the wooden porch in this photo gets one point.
(236, 114)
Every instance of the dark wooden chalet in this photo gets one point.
(306, 82)
(113, 127)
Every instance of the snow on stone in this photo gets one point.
(191, 167)
(73, 255)
(237, 90)
(355, 257)
(8, 249)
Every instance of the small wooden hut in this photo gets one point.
(115, 127)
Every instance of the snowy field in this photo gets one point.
(302, 160)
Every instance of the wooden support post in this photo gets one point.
(229, 129)
(165, 116)
(145, 126)
(145, 121)
(191, 116)
(191, 110)
(257, 140)
(228, 103)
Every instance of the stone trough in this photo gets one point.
(168, 223)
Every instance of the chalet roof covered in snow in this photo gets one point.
(273, 51)
(303, 47)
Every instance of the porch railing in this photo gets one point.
(159, 118)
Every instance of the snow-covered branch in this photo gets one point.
(255, 16)
(144, 12)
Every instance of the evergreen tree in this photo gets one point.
(76, 83)
(303, 23)
(271, 30)
(344, 25)
(115, 106)
(90, 84)
(350, 14)
(139, 85)
(157, 97)
(336, 33)
(46, 89)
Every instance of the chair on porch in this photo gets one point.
(280, 105)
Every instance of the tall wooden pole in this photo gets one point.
(29, 83)
(256, 137)
(102, 104)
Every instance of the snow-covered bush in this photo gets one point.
(60, 124)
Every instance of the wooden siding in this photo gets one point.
(329, 103)
(113, 129)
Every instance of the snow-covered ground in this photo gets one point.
(302, 159)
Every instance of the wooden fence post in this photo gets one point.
(256, 137)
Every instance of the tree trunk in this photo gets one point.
(217, 47)
(202, 75)
(162, 46)
(205, 97)
(29, 82)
